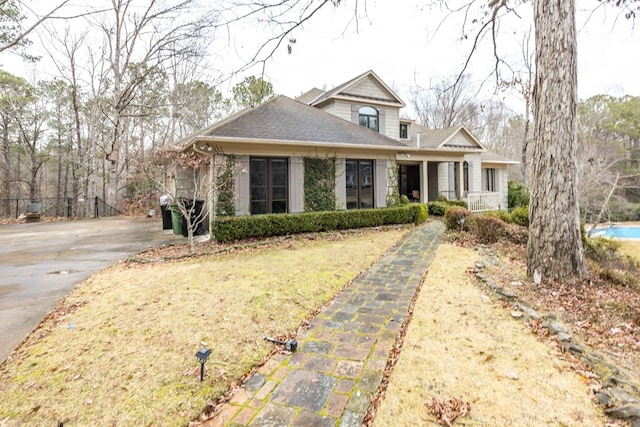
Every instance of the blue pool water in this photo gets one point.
(619, 231)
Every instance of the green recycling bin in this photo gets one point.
(176, 219)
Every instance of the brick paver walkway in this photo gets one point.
(341, 358)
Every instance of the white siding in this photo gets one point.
(341, 185)
(369, 89)
(340, 109)
(443, 177)
(392, 123)
(241, 185)
(296, 185)
(389, 117)
(475, 172)
(460, 140)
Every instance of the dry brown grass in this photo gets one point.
(462, 344)
(630, 247)
(120, 350)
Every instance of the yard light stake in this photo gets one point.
(203, 356)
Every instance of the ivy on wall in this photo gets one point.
(393, 189)
(319, 184)
(225, 205)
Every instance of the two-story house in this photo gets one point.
(376, 153)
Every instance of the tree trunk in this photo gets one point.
(6, 167)
(555, 248)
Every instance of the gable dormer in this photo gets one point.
(364, 100)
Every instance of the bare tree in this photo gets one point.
(13, 34)
(198, 185)
(139, 42)
(522, 81)
(446, 103)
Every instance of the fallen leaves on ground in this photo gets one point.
(603, 314)
(448, 409)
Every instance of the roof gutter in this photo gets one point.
(284, 142)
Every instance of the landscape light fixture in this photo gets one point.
(203, 356)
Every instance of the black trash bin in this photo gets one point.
(195, 210)
(166, 217)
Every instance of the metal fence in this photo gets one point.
(66, 207)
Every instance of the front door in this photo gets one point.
(409, 181)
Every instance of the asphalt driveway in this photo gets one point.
(41, 262)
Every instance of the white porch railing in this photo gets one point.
(482, 201)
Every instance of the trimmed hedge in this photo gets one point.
(261, 226)
(439, 207)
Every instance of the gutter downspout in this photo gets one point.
(210, 200)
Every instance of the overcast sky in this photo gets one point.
(409, 45)
(399, 41)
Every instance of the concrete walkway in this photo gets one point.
(41, 262)
(341, 358)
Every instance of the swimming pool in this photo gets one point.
(619, 231)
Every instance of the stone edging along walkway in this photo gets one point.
(618, 396)
(342, 356)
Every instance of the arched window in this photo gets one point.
(369, 118)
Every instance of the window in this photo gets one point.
(404, 131)
(489, 179)
(269, 179)
(359, 174)
(368, 117)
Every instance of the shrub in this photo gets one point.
(517, 195)
(437, 208)
(442, 198)
(460, 203)
(404, 200)
(423, 214)
(261, 226)
(504, 216)
(520, 216)
(517, 234)
(455, 218)
(600, 248)
(486, 228)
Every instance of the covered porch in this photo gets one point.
(425, 181)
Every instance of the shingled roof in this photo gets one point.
(439, 138)
(284, 119)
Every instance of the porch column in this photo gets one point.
(380, 184)
(460, 188)
(424, 182)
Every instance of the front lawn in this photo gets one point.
(120, 349)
